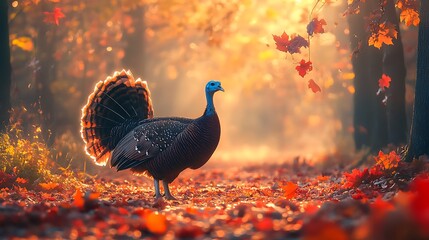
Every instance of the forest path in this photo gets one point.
(263, 202)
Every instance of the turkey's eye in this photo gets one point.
(211, 84)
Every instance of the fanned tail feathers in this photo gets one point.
(114, 103)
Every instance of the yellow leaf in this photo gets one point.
(25, 43)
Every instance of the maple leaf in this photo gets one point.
(313, 86)
(295, 44)
(304, 67)
(290, 190)
(54, 16)
(25, 43)
(383, 34)
(410, 17)
(387, 161)
(356, 177)
(316, 26)
(282, 42)
(384, 82)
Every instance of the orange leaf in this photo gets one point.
(313, 86)
(93, 195)
(410, 17)
(323, 178)
(384, 82)
(304, 67)
(48, 186)
(388, 161)
(78, 202)
(385, 35)
(290, 190)
(54, 16)
(156, 223)
(21, 180)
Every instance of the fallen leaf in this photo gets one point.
(156, 223)
(290, 190)
(21, 180)
(78, 200)
(48, 186)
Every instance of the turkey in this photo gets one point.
(117, 124)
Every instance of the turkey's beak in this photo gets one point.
(221, 89)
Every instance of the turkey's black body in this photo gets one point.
(192, 148)
(118, 125)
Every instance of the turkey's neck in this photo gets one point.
(210, 109)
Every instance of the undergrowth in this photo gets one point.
(27, 161)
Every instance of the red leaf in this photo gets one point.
(54, 16)
(316, 26)
(291, 45)
(356, 177)
(265, 224)
(384, 82)
(419, 205)
(304, 67)
(313, 86)
(79, 201)
(290, 190)
(282, 42)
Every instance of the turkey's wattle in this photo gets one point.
(118, 125)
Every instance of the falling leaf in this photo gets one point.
(48, 186)
(25, 43)
(290, 190)
(282, 42)
(291, 45)
(78, 201)
(296, 43)
(410, 17)
(387, 161)
(304, 67)
(156, 223)
(384, 82)
(316, 26)
(313, 86)
(54, 16)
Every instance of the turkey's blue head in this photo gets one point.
(213, 86)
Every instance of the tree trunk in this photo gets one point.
(419, 137)
(394, 66)
(5, 67)
(134, 52)
(369, 119)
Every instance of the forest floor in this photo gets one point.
(277, 201)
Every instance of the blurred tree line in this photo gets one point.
(55, 65)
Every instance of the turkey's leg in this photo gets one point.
(157, 192)
(168, 195)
